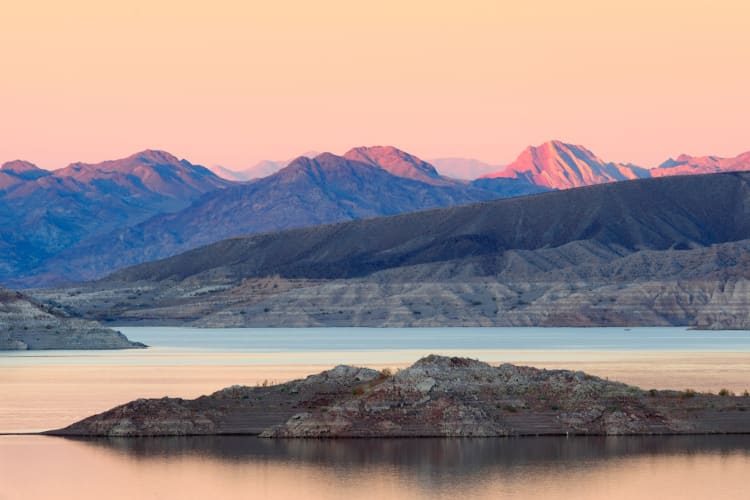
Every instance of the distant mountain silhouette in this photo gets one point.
(263, 168)
(310, 191)
(463, 168)
(692, 165)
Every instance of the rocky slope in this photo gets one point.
(436, 396)
(557, 165)
(26, 324)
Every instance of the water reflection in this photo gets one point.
(454, 458)
(231, 467)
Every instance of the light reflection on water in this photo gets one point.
(247, 467)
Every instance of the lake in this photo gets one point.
(49, 389)
(234, 467)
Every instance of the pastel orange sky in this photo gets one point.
(225, 82)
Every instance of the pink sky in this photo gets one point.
(233, 82)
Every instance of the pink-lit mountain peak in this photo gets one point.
(150, 170)
(17, 172)
(134, 162)
(19, 167)
(559, 165)
(397, 162)
(692, 165)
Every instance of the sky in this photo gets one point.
(234, 82)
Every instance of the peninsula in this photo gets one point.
(27, 324)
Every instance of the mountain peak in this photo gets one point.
(559, 165)
(147, 157)
(324, 157)
(154, 171)
(19, 166)
(154, 156)
(397, 162)
(564, 147)
(18, 171)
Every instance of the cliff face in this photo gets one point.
(26, 324)
(437, 396)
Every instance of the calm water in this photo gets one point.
(49, 389)
(246, 467)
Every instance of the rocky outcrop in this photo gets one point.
(436, 396)
(26, 324)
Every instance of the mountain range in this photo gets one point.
(455, 167)
(85, 220)
(662, 251)
(310, 191)
(43, 213)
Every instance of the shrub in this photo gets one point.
(746, 394)
(725, 392)
(689, 393)
(358, 391)
(386, 372)
(652, 393)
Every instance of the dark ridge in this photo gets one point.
(650, 214)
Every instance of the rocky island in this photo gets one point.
(27, 324)
(436, 396)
